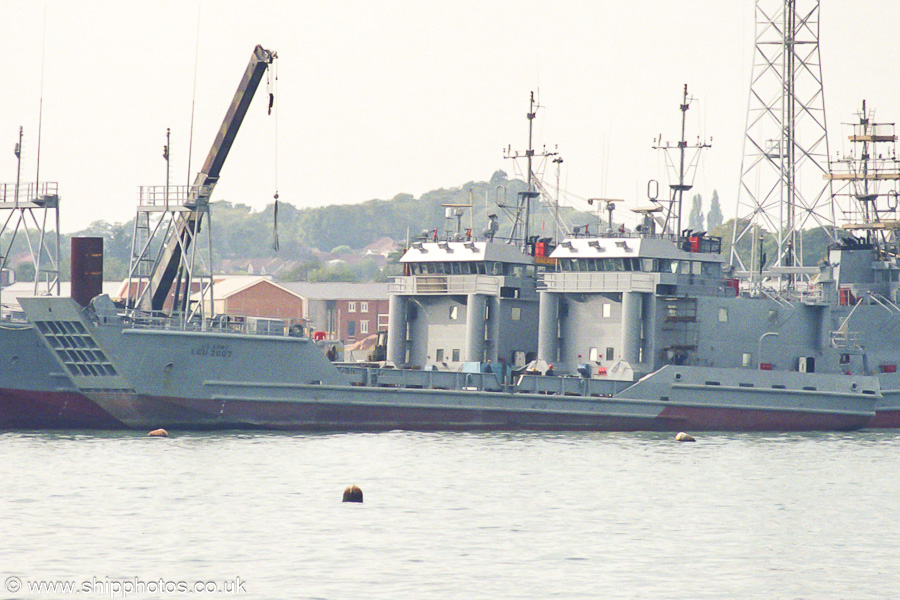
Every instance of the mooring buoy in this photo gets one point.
(684, 437)
(353, 494)
(158, 433)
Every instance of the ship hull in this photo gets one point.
(354, 409)
(24, 409)
(887, 410)
(145, 379)
(35, 393)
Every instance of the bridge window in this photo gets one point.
(712, 270)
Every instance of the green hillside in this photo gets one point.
(326, 243)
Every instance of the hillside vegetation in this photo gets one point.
(328, 243)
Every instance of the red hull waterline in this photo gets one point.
(886, 419)
(21, 409)
(218, 414)
(67, 410)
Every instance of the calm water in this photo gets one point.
(454, 515)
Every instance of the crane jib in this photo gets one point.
(167, 269)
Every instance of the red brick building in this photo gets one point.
(256, 297)
(344, 311)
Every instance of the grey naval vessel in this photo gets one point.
(620, 330)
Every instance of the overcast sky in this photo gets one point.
(381, 98)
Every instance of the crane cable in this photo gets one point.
(271, 83)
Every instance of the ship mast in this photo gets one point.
(31, 211)
(872, 162)
(523, 203)
(673, 215)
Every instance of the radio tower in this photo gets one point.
(783, 187)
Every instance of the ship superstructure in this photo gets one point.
(466, 298)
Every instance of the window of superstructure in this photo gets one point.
(723, 315)
(455, 355)
(594, 355)
(648, 265)
(454, 313)
(518, 270)
(607, 310)
(439, 355)
(610, 353)
(711, 270)
(619, 264)
(456, 268)
(515, 313)
(696, 267)
(684, 267)
(479, 267)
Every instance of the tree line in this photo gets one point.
(306, 234)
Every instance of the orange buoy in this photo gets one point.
(158, 433)
(353, 494)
